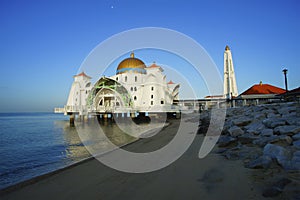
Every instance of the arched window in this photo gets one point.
(151, 96)
(152, 88)
(117, 78)
(151, 103)
(131, 89)
(134, 98)
(125, 78)
(135, 78)
(135, 89)
(162, 102)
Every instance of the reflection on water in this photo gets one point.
(103, 136)
(74, 148)
(32, 144)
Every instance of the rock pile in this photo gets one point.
(264, 136)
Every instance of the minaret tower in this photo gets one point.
(230, 88)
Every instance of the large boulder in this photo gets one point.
(279, 153)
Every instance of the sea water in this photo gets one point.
(33, 144)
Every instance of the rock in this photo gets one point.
(286, 110)
(276, 188)
(279, 153)
(274, 122)
(272, 115)
(255, 127)
(265, 140)
(242, 121)
(279, 122)
(287, 139)
(287, 130)
(296, 144)
(247, 138)
(259, 116)
(282, 140)
(289, 116)
(297, 136)
(295, 162)
(271, 192)
(280, 184)
(232, 154)
(293, 121)
(235, 131)
(225, 141)
(267, 132)
(259, 163)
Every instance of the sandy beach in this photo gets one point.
(188, 178)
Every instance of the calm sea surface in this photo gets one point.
(32, 144)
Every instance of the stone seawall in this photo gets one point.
(266, 138)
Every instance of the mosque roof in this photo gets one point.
(154, 65)
(83, 74)
(131, 63)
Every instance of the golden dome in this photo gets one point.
(131, 64)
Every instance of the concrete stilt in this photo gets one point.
(72, 119)
(85, 118)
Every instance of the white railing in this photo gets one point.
(119, 109)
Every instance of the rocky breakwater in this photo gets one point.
(267, 139)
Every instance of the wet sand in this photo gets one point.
(188, 178)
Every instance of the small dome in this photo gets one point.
(131, 64)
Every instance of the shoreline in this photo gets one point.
(188, 177)
(38, 178)
(236, 168)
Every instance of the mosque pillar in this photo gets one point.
(72, 119)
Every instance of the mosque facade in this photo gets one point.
(134, 88)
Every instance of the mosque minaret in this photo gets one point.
(230, 87)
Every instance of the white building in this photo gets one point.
(134, 88)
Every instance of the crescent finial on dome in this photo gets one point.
(132, 55)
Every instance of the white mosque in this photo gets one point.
(135, 88)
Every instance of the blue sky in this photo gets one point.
(43, 43)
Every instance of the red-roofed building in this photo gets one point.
(171, 82)
(261, 91)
